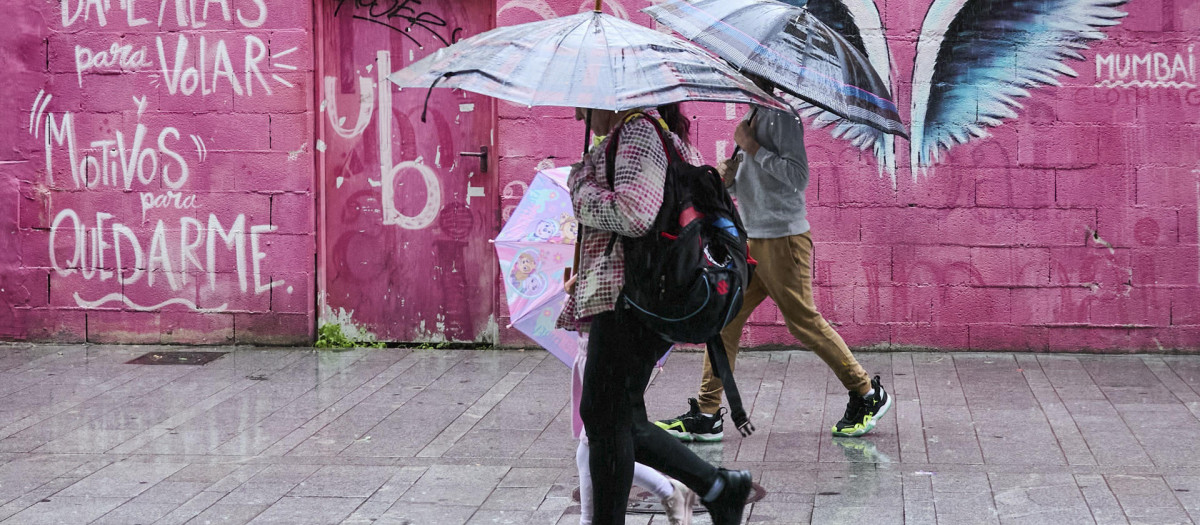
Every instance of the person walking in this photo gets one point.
(621, 351)
(769, 185)
(677, 500)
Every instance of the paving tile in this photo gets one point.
(484, 437)
(427, 513)
(59, 510)
(308, 510)
(454, 485)
(344, 481)
(133, 513)
(227, 514)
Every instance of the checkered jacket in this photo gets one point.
(629, 209)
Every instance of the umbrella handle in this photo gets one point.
(430, 92)
(737, 148)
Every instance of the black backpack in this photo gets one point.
(686, 277)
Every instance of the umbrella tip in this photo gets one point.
(598, 5)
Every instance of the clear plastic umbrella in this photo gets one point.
(788, 46)
(589, 60)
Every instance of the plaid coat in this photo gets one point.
(628, 208)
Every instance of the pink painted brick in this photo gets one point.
(1058, 146)
(1132, 306)
(833, 224)
(767, 313)
(1166, 266)
(1008, 338)
(1050, 306)
(982, 226)
(1167, 186)
(34, 207)
(901, 225)
(228, 296)
(835, 303)
(293, 213)
(257, 171)
(1181, 339)
(63, 291)
(893, 304)
(857, 336)
(161, 292)
(852, 263)
(1185, 306)
(281, 41)
(1096, 186)
(190, 328)
(295, 295)
(933, 265)
(221, 133)
(1087, 104)
(1011, 266)
(851, 182)
(937, 336)
(959, 305)
(273, 329)
(52, 325)
(290, 130)
(1091, 265)
(1082, 339)
(27, 288)
(531, 138)
(951, 188)
(283, 99)
(1136, 227)
(1051, 227)
(125, 327)
(33, 249)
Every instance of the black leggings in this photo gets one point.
(621, 357)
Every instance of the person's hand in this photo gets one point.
(744, 136)
(727, 169)
(570, 285)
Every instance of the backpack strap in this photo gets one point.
(724, 372)
(610, 155)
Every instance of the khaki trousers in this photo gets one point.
(784, 274)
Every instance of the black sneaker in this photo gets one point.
(727, 508)
(695, 425)
(863, 412)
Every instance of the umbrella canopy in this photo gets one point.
(536, 244)
(788, 46)
(589, 60)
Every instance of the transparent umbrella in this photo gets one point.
(790, 47)
(589, 60)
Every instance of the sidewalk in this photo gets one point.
(293, 436)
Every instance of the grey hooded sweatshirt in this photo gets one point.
(770, 185)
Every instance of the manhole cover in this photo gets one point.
(642, 501)
(176, 358)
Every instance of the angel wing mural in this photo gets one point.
(975, 59)
(859, 21)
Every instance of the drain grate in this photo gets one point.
(176, 358)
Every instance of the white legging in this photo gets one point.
(643, 476)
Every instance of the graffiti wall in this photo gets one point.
(1048, 199)
(156, 175)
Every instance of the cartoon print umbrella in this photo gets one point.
(790, 47)
(535, 246)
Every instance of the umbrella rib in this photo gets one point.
(542, 81)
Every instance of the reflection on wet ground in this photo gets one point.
(460, 436)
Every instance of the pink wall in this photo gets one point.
(1072, 226)
(157, 162)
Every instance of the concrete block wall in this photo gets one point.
(156, 174)
(1072, 226)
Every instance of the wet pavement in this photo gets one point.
(294, 436)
